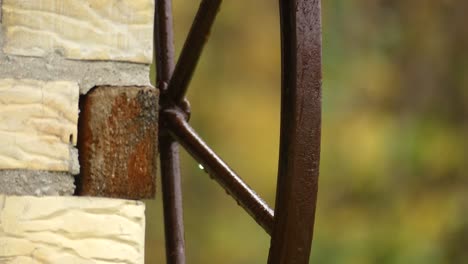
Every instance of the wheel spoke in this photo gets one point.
(172, 201)
(300, 132)
(168, 148)
(217, 168)
(164, 42)
(192, 49)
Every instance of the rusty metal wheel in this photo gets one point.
(291, 224)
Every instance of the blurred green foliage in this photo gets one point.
(393, 183)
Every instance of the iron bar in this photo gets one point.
(163, 42)
(218, 169)
(192, 49)
(298, 170)
(169, 152)
(172, 201)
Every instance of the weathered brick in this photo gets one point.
(63, 230)
(118, 142)
(38, 124)
(84, 30)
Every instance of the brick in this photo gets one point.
(38, 124)
(118, 142)
(119, 30)
(58, 230)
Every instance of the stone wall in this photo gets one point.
(52, 53)
(71, 230)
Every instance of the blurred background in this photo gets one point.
(393, 181)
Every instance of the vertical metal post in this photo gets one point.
(300, 132)
(169, 151)
(172, 199)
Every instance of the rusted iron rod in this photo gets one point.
(298, 171)
(218, 169)
(172, 201)
(168, 148)
(163, 42)
(192, 49)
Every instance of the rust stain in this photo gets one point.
(119, 147)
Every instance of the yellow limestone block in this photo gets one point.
(80, 29)
(38, 122)
(66, 230)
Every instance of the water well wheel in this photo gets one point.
(291, 223)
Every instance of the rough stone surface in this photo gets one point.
(87, 74)
(38, 122)
(118, 142)
(58, 230)
(37, 183)
(80, 29)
